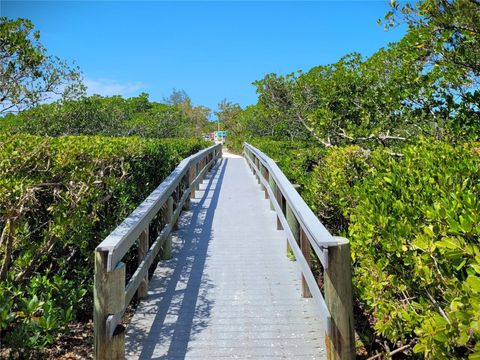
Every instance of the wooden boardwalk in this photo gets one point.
(229, 291)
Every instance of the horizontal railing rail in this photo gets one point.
(305, 233)
(159, 210)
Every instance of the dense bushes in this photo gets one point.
(414, 224)
(59, 197)
(296, 158)
(111, 116)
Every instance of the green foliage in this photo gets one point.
(28, 75)
(295, 158)
(227, 115)
(111, 116)
(258, 120)
(453, 41)
(426, 84)
(32, 315)
(329, 190)
(376, 101)
(59, 197)
(450, 44)
(414, 227)
(414, 224)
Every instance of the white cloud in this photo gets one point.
(108, 87)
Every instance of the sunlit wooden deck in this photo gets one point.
(229, 291)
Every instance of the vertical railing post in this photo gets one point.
(338, 297)
(197, 171)
(259, 167)
(167, 246)
(280, 201)
(192, 177)
(250, 163)
(273, 186)
(305, 247)
(186, 183)
(108, 299)
(118, 343)
(261, 173)
(176, 199)
(266, 176)
(143, 247)
(293, 225)
(100, 346)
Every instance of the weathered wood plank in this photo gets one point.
(109, 298)
(143, 246)
(338, 296)
(167, 245)
(99, 313)
(305, 247)
(186, 183)
(193, 175)
(117, 351)
(293, 225)
(281, 203)
(273, 186)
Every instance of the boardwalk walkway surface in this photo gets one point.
(229, 292)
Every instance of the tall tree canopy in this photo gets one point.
(427, 83)
(28, 75)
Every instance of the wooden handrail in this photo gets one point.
(304, 232)
(111, 293)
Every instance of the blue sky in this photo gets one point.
(212, 50)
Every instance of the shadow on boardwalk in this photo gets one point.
(178, 306)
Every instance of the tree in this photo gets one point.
(177, 97)
(449, 35)
(28, 75)
(226, 114)
(196, 115)
(282, 114)
(453, 36)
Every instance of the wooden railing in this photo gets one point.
(160, 212)
(307, 236)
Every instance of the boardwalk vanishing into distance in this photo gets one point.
(223, 287)
(229, 291)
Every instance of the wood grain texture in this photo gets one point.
(109, 298)
(338, 296)
(143, 247)
(306, 251)
(167, 246)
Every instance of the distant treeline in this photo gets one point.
(113, 116)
